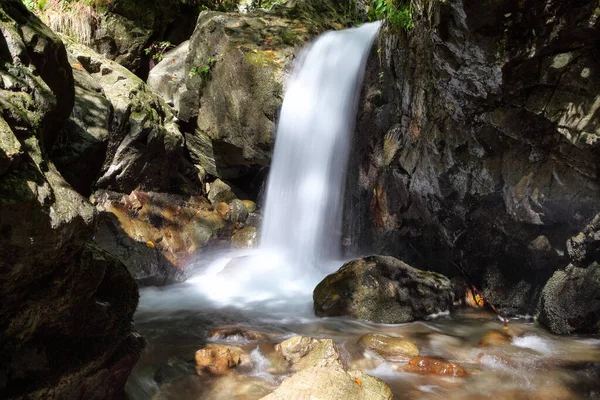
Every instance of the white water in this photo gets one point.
(302, 219)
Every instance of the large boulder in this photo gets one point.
(569, 301)
(382, 289)
(485, 157)
(230, 85)
(58, 290)
(121, 132)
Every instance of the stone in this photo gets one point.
(239, 212)
(305, 352)
(382, 289)
(569, 302)
(220, 192)
(245, 238)
(218, 359)
(389, 347)
(331, 383)
(155, 235)
(427, 365)
(164, 78)
(58, 289)
(250, 205)
(123, 133)
(495, 338)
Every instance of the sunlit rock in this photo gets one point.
(219, 359)
(389, 347)
(306, 352)
(382, 289)
(245, 238)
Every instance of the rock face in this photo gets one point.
(477, 143)
(123, 132)
(230, 86)
(58, 290)
(382, 289)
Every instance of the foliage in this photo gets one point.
(397, 13)
(203, 71)
(158, 50)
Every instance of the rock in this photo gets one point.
(306, 352)
(427, 365)
(135, 142)
(165, 77)
(250, 205)
(58, 289)
(220, 192)
(569, 301)
(239, 212)
(458, 161)
(585, 247)
(155, 235)
(495, 338)
(232, 82)
(389, 347)
(382, 289)
(218, 359)
(237, 332)
(245, 238)
(331, 383)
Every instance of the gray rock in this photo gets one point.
(569, 302)
(382, 289)
(239, 212)
(220, 192)
(165, 78)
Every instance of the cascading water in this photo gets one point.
(301, 228)
(304, 195)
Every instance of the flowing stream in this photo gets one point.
(269, 290)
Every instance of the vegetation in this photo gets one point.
(203, 71)
(157, 50)
(397, 13)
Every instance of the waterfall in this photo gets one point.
(304, 194)
(302, 216)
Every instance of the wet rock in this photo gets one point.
(495, 338)
(585, 247)
(382, 289)
(155, 235)
(331, 382)
(237, 332)
(389, 347)
(569, 301)
(250, 205)
(306, 352)
(218, 359)
(245, 238)
(219, 192)
(427, 365)
(239, 212)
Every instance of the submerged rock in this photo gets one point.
(382, 289)
(331, 383)
(427, 365)
(389, 347)
(237, 332)
(570, 302)
(495, 338)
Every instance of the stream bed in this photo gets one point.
(530, 364)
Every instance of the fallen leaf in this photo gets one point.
(358, 381)
(150, 244)
(78, 67)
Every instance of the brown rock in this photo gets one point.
(427, 365)
(389, 347)
(250, 205)
(218, 359)
(245, 238)
(495, 338)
